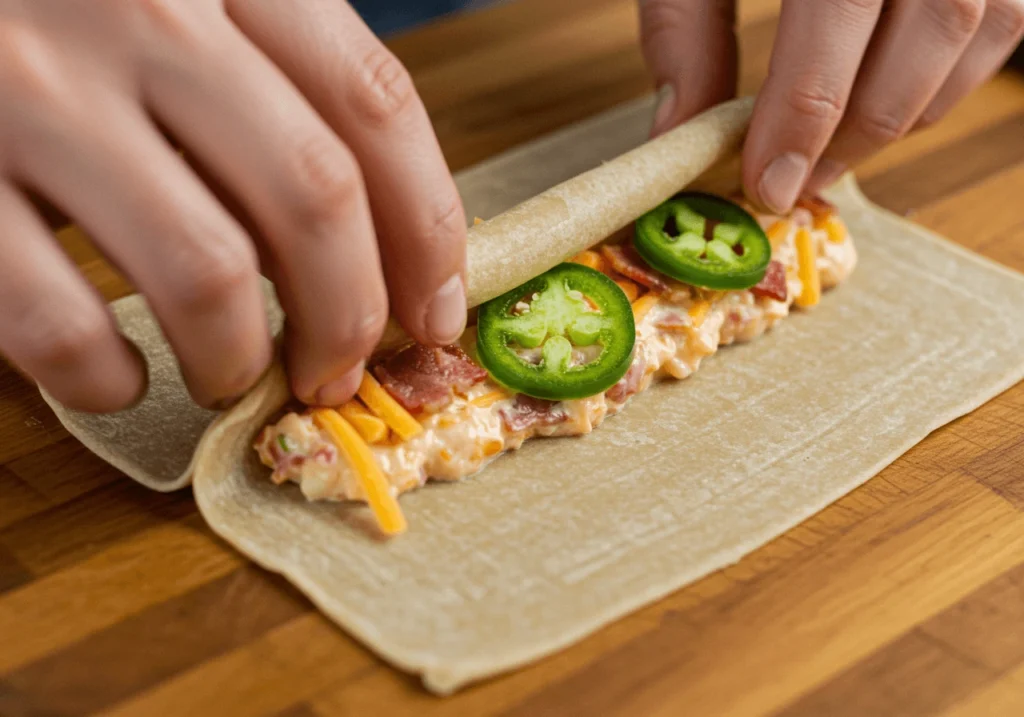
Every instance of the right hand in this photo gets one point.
(846, 77)
(310, 157)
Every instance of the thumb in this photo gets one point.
(690, 50)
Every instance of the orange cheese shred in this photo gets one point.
(477, 221)
(448, 420)
(778, 232)
(807, 270)
(643, 305)
(387, 409)
(698, 312)
(836, 230)
(370, 427)
(592, 259)
(630, 288)
(488, 399)
(372, 481)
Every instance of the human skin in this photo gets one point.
(306, 155)
(847, 77)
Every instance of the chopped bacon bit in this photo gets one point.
(527, 412)
(773, 285)
(630, 383)
(424, 379)
(625, 260)
(673, 320)
(820, 208)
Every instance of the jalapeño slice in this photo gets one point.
(704, 240)
(566, 334)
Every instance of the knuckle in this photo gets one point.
(383, 88)
(213, 274)
(359, 336)
(166, 18)
(1007, 17)
(240, 381)
(880, 126)
(956, 20)
(30, 71)
(324, 181)
(64, 338)
(660, 15)
(817, 104)
(446, 227)
(855, 7)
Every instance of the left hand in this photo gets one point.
(847, 77)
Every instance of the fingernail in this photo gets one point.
(446, 314)
(336, 392)
(782, 181)
(825, 174)
(666, 104)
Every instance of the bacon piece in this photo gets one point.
(773, 285)
(630, 383)
(625, 260)
(424, 379)
(673, 320)
(527, 412)
(819, 207)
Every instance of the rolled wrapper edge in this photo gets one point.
(545, 230)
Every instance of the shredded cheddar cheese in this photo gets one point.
(630, 288)
(493, 447)
(388, 409)
(373, 483)
(836, 230)
(698, 312)
(488, 399)
(642, 305)
(448, 420)
(477, 221)
(370, 427)
(807, 270)
(592, 259)
(778, 232)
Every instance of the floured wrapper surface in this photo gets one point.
(555, 540)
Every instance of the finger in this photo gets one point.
(913, 53)
(366, 95)
(249, 126)
(690, 49)
(189, 258)
(817, 52)
(1000, 32)
(53, 325)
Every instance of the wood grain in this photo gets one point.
(903, 598)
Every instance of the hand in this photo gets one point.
(310, 156)
(847, 77)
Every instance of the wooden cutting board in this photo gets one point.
(116, 599)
